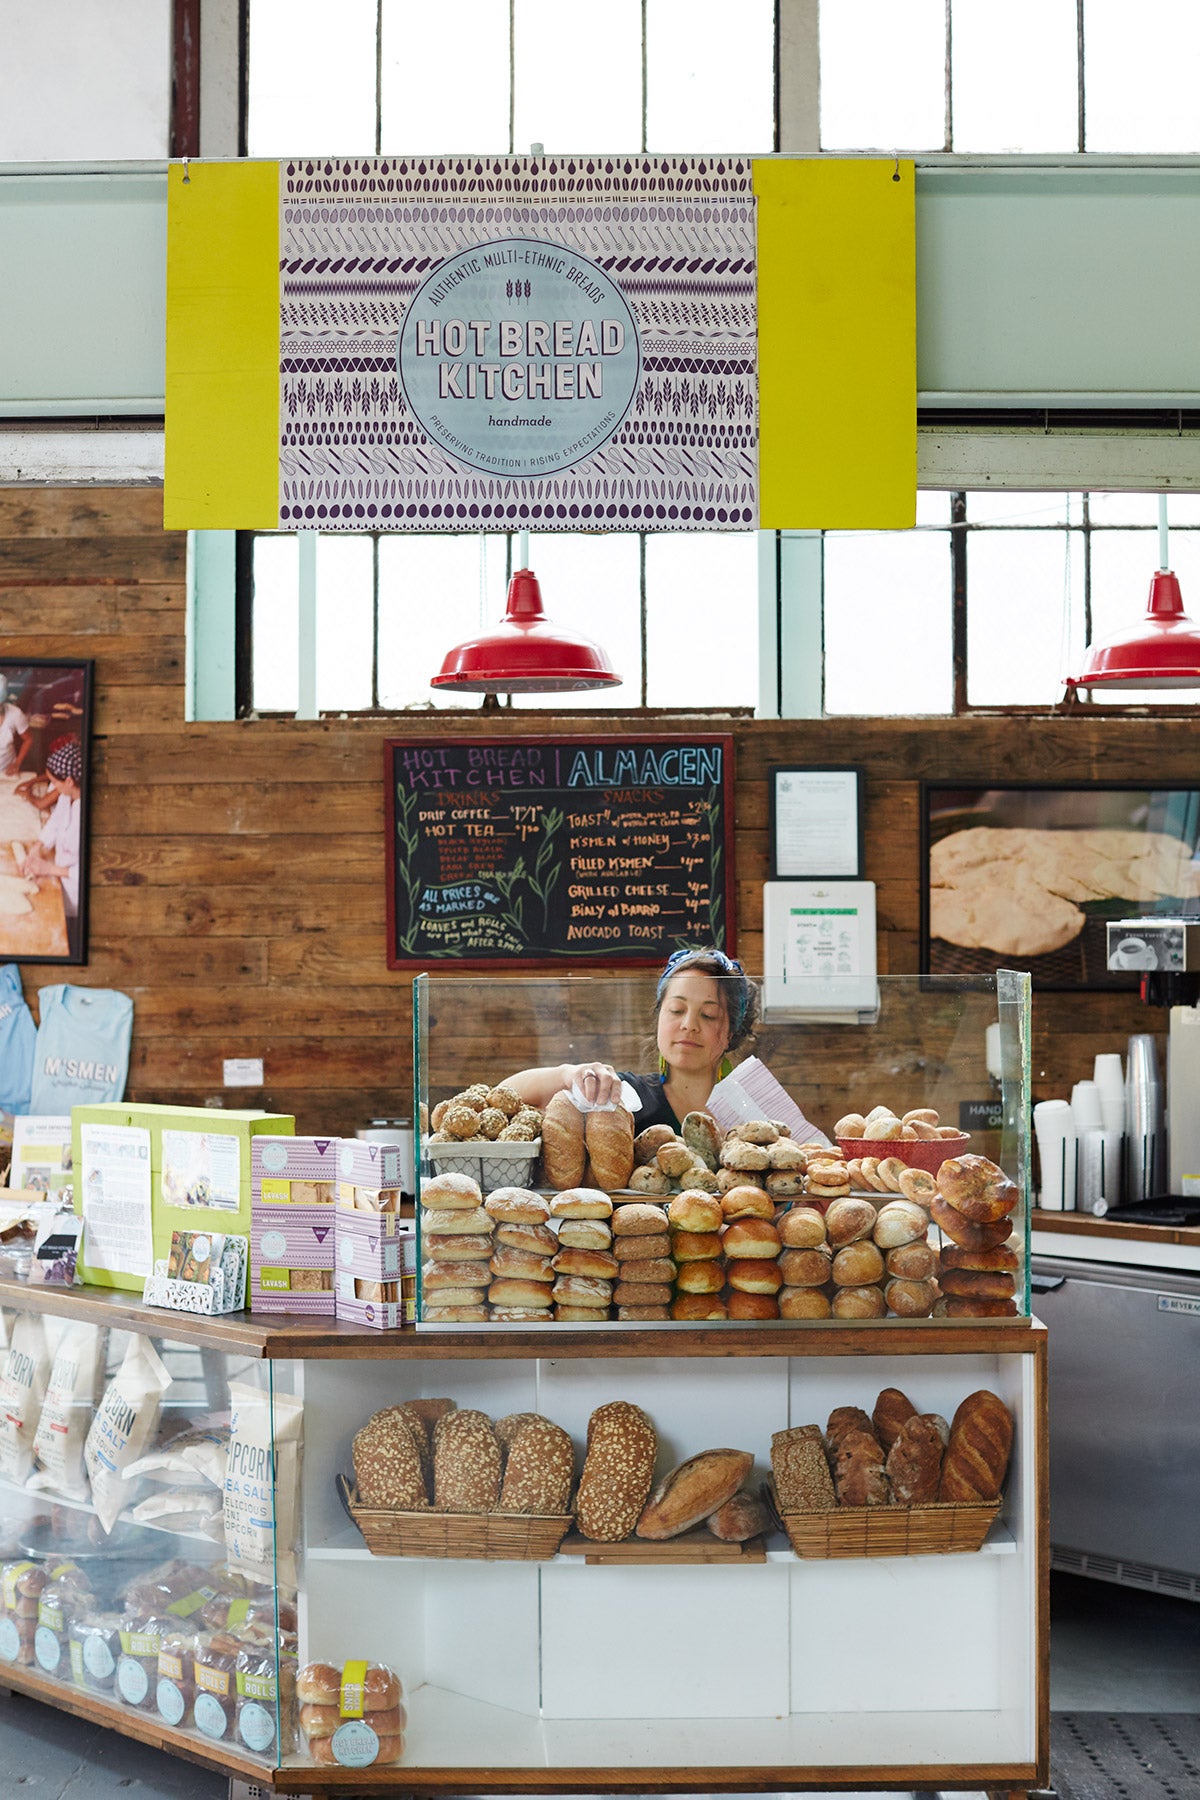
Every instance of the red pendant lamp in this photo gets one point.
(1163, 650)
(526, 653)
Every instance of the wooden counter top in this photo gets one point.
(279, 1336)
(1120, 1230)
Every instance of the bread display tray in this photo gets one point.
(472, 1537)
(487, 1161)
(929, 1530)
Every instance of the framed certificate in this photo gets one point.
(816, 823)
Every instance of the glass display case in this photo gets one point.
(147, 1564)
(924, 1102)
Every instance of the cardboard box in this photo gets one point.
(288, 1241)
(294, 1171)
(374, 1249)
(199, 1171)
(363, 1163)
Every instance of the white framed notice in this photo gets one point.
(816, 823)
(114, 1178)
(818, 948)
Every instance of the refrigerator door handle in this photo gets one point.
(1046, 1284)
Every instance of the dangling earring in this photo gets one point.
(662, 1066)
(725, 1068)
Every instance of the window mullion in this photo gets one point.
(958, 578)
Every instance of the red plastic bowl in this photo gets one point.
(918, 1153)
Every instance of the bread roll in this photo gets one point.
(749, 1237)
(859, 1303)
(978, 1308)
(806, 1268)
(658, 1269)
(581, 1203)
(747, 1203)
(539, 1470)
(648, 1143)
(521, 1315)
(978, 1284)
(848, 1221)
(976, 1187)
(451, 1193)
(702, 1134)
(584, 1234)
(582, 1315)
(869, 1170)
(850, 1125)
(698, 1306)
(964, 1232)
(463, 1247)
(637, 1219)
(563, 1150)
(804, 1303)
(608, 1139)
(802, 1228)
(891, 1412)
(513, 1291)
(785, 1185)
(910, 1299)
(650, 1180)
(538, 1240)
(739, 1519)
(517, 1206)
(522, 1265)
(618, 1471)
(914, 1463)
(643, 1293)
(751, 1275)
(466, 1463)
(599, 1263)
(912, 1262)
(453, 1315)
(456, 1224)
(695, 1246)
(728, 1179)
(737, 1153)
(976, 1458)
(900, 1222)
(700, 1277)
(644, 1315)
(436, 1275)
(750, 1306)
(692, 1491)
(754, 1131)
(582, 1290)
(803, 1482)
(641, 1249)
(857, 1265)
(998, 1260)
(694, 1211)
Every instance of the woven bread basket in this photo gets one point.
(472, 1537)
(931, 1530)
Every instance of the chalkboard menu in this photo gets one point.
(532, 850)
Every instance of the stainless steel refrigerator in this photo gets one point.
(1124, 1422)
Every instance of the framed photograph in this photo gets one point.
(45, 746)
(816, 822)
(1027, 877)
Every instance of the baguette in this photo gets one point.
(692, 1491)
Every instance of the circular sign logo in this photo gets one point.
(519, 357)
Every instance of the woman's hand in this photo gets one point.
(597, 1082)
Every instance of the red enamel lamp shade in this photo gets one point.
(1163, 650)
(526, 653)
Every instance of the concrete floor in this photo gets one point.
(1112, 1650)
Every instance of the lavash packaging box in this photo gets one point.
(376, 1280)
(292, 1239)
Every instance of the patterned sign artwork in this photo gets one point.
(474, 344)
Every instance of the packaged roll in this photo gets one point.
(353, 1716)
(72, 1390)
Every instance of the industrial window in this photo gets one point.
(993, 598)
(1010, 76)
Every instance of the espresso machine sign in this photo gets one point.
(519, 357)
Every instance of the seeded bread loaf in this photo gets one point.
(618, 1471)
(466, 1463)
(387, 1464)
(802, 1479)
(540, 1467)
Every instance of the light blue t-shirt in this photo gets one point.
(17, 1034)
(82, 1052)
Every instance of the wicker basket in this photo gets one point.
(471, 1537)
(890, 1530)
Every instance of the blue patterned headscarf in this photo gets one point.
(739, 991)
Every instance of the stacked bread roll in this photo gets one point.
(522, 1259)
(805, 1264)
(855, 1262)
(584, 1266)
(695, 1219)
(973, 1208)
(750, 1244)
(456, 1239)
(646, 1274)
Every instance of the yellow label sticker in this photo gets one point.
(354, 1682)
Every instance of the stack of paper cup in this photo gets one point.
(1100, 1170)
(1145, 1147)
(1058, 1149)
(1110, 1079)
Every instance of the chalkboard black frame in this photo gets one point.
(402, 831)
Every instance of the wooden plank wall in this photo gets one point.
(237, 870)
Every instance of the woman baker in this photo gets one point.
(705, 1008)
